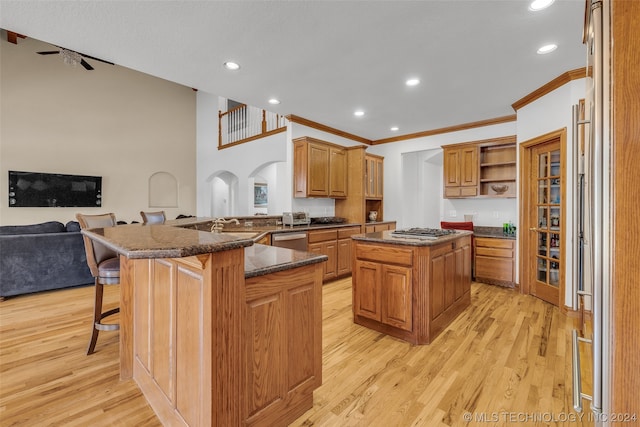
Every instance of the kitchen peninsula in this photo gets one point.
(408, 286)
(214, 329)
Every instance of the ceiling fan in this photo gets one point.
(72, 57)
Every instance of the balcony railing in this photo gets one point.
(245, 123)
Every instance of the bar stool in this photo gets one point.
(105, 268)
(153, 217)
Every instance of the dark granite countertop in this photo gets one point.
(162, 241)
(258, 225)
(262, 259)
(388, 238)
(494, 232)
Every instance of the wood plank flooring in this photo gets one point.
(506, 361)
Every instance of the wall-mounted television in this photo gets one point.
(51, 190)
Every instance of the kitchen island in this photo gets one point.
(410, 288)
(215, 330)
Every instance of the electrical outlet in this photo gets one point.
(453, 214)
(496, 214)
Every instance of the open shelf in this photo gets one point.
(498, 166)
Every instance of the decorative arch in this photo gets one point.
(224, 189)
(163, 190)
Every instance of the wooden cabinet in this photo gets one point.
(319, 169)
(343, 263)
(484, 168)
(460, 171)
(495, 261)
(498, 170)
(410, 292)
(335, 244)
(365, 190)
(374, 176)
(380, 226)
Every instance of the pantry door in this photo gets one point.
(543, 210)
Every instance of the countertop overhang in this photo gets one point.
(137, 241)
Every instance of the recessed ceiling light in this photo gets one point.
(358, 113)
(540, 4)
(547, 49)
(394, 128)
(274, 101)
(231, 66)
(412, 82)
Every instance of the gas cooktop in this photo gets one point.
(422, 233)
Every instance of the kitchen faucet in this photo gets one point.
(218, 224)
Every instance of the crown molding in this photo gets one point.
(319, 126)
(448, 129)
(554, 84)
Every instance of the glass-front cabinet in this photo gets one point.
(548, 228)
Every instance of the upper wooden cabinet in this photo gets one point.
(319, 169)
(480, 169)
(374, 176)
(461, 171)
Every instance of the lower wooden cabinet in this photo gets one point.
(381, 226)
(410, 292)
(495, 261)
(335, 244)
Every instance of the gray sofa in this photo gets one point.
(41, 257)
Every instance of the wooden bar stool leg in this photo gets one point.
(97, 314)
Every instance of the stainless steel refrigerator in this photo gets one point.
(591, 234)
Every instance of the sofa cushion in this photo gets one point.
(45, 227)
(72, 226)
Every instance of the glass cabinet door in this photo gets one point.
(548, 224)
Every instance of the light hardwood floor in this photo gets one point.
(505, 360)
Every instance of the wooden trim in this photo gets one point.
(510, 139)
(448, 129)
(525, 174)
(319, 126)
(625, 245)
(252, 138)
(12, 37)
(554, 84)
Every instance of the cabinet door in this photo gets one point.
(318, 170)
(366, 301)
(344, 257)
(396, 295)
(337, 172)
(451, 167)
(330, 249)
(469, 166)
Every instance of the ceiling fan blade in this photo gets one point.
(86, 65)
(96, 59)
(49, 52)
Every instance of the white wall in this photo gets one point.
(113, 122)
(244, 161)
(398, 195)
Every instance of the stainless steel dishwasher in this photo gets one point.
(293, 240)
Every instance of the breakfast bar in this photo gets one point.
(214, 329)
(411, 285)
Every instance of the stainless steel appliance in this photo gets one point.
(592, 206)
(295, 218)
(294, 240)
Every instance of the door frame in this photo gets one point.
(526, 149)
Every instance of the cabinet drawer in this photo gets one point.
(344, 233)
(494, 243)
(468, 191)
(494, 252)
(452, 191)
(322, 235)
(494, 269)
(385, 255)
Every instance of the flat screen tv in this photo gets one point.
(51, 190)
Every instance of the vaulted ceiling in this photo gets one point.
(325, 59)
